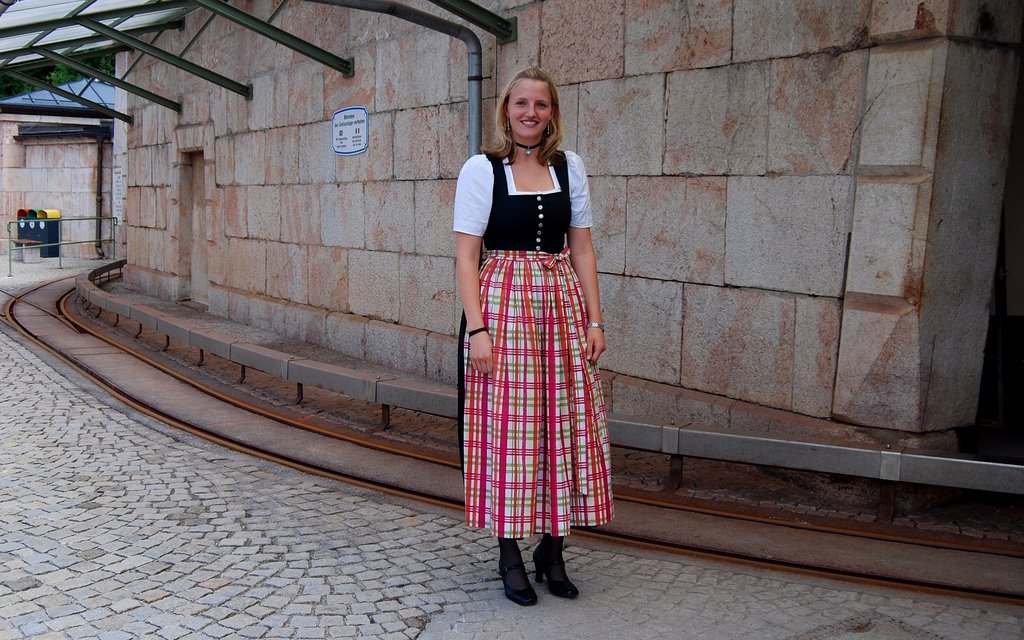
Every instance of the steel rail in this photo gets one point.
(10, 316)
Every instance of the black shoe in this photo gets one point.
(560, 588)
(523, 597)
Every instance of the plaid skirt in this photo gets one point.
(535, 436)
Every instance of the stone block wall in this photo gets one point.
(795, 201)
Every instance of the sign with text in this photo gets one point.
(350, 131)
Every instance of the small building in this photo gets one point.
(57, 154)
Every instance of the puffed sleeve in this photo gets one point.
(473, 194)
(579, 192)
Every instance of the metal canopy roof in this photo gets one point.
(36, 33)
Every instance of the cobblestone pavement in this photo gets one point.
(115, 526)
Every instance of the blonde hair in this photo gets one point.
(504, 146)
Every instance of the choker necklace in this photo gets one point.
(529, 150)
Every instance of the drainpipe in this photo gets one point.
(99, 197)
(443, 26)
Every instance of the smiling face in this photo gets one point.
(529, 110)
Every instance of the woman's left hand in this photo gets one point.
(595, 344)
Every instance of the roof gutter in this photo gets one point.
(443, 26)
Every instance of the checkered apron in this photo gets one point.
(535, 439)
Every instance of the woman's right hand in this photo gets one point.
(480, 349)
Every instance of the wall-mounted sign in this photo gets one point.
(350, 131)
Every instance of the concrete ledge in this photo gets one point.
(213, 342)
(775, 452)
(118, 305)
(147, 317)
(267, 360)
(628, 431)
(436, 399)
(963, 471)
(332, 377)
(175, 328)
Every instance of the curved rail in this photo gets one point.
(61, 311)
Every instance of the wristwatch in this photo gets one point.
(596, 325)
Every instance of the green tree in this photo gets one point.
(54, 75)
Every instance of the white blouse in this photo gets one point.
(476, 185)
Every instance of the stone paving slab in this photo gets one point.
(114, 526)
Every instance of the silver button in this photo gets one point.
(540, 216)
(538, 247)
(538, 198)
(540, 225)
(540, 206)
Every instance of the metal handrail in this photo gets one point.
(60, 259)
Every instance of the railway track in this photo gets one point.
(47, 316)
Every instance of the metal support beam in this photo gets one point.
(109, 79)
(506, 30)
(68, 46)
(70, 96)
(160, 54)
(345, 65)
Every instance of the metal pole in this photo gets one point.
(474, 49)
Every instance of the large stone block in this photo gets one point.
(408, 75)
(373, 284)
(525, 50)
(666, 35)
(342, 217)
(396, 347)
(328, 278)
(231, 201)
(390, 222)
(902, 101)
(346, 333)
(879, 378)
(569, 104)
(356, 91)
(417, 158)
(887, 244)
(287, 272)
(987, 20)
(675, 229)
(637, 146)
(634, 310)
(788, 233)
(283, 163)
(442, 358)
(908, 19)
(250, 155)
(608, 203)
(247, 269)
(315, 166)
(569, 50)
(300, 214)
(776, 28)
(968, 186)
(377, 162)
(453, 138)
(718, 120)
(815, 351)
(434, 200)
(263, 212)
(815, 109)
(427, 295)
(739, 343)
(305, 92)
(642, 398)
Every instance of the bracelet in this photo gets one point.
(475, 331)
(595, 325)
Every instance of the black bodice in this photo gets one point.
(528, 222)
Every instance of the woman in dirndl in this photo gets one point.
(533, 428)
